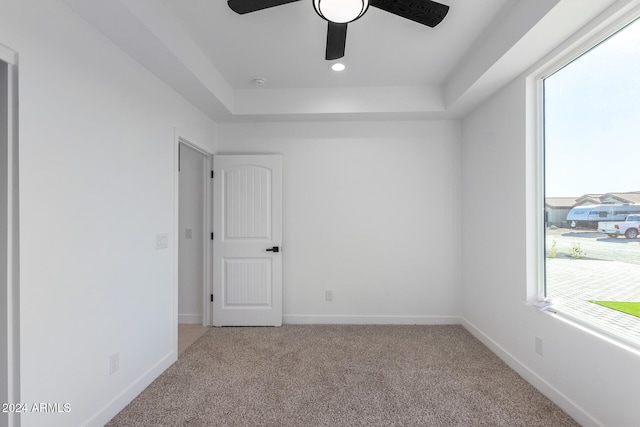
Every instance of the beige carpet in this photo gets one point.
(340, 376)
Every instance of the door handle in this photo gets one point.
(274, 249)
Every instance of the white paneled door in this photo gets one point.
(247, 252)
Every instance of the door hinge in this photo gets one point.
(213, 174)
(211, 297)
(211, 236)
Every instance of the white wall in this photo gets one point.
(594, 380)
(96, 186)
(371, 212)
(191, 261)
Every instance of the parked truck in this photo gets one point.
(630, 227)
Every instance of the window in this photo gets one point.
(591, 154)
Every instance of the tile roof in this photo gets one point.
(560, 202)
(628, 197)
(632, 197)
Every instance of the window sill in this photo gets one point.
(622, 330)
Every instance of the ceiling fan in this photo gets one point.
(338, 13)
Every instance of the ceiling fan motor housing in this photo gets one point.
(340, 11)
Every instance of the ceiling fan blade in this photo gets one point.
(425, 12)
(245, 6)
(336, 40)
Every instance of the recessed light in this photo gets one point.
(338, 66)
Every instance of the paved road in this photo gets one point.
(595, 245)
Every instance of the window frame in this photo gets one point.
(589, 37)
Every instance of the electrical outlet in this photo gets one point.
(188, 233)
(328, 295)
(114, 363)
(539, 348)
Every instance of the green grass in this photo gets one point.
(632, 308)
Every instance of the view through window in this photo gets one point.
(592, 185)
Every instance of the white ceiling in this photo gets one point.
(286, 44)
(396, 68)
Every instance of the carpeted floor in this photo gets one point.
(340, 376)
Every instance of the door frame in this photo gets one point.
(207, 250)
(10, 232)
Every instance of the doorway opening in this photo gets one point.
(193, 243)
(9, 237)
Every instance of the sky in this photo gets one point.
(592, 120)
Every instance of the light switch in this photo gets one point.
(162, 241)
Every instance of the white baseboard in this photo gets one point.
(190, 318)
(123, 399)
(566, 404)
(328, 319)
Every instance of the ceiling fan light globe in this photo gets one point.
(340, 11)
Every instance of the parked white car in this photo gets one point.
(630, 228)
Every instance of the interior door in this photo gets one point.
(247, 252)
